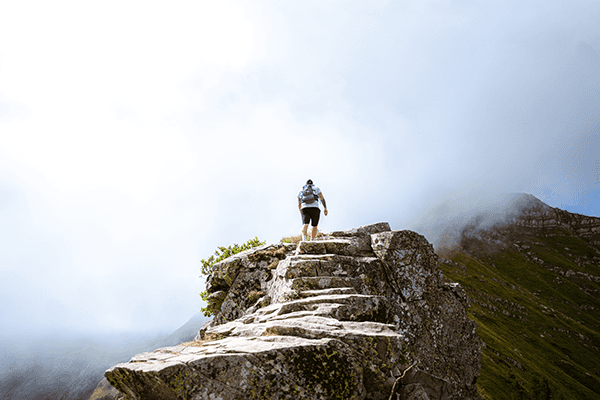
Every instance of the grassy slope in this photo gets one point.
(540, 323)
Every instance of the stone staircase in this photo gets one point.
(313, 285)
(327, 319)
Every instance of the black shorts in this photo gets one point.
(311, 213)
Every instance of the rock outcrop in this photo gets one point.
(537, 215)
(525, 215)
(358, 314)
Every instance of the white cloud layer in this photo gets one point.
(136, 137)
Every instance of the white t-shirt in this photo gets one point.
(313, 204)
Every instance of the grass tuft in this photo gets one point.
(298, 238)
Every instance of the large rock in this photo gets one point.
(358, 314)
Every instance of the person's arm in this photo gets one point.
(299, 204)
(324, 202)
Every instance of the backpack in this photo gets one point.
(308, 195)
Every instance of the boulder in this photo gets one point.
(358, 314)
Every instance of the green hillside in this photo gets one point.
(535, 294)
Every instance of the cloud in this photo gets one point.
(137, 137)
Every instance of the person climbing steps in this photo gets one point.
(308, 204)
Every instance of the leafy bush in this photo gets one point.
(221, 254)
(225, 252)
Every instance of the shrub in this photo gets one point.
(225, 252)
(221, 254)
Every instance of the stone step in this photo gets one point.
(343, 307)
(326, 282)
(305, 326)
(321, 292)
(291, 289)
(326, 265)
(342, 246)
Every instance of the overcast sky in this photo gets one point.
(136, 137)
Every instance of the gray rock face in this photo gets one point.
(341, 317)
(541, 216)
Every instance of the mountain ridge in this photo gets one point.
(531, 273)
(533, 279)
(356, 314)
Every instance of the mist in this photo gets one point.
(68, 366)
(61, 366)
(136, 138)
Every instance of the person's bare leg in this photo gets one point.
(314, 232)
(304, 231)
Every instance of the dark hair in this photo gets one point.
(309, 182)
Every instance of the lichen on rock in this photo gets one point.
(341, 317)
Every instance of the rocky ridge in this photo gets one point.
(357, 314)
(523, 215)
(535, 214)
(533, 282)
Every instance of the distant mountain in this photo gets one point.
(66, 369)
(533, 275)
(186, 333)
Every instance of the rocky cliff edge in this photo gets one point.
(357, 314)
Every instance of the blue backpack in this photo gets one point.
(308, 195)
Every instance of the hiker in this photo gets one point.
(308, 204)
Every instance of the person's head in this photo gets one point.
(309, 182)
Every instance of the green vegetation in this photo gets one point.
(537, 304)
(221, 254)
(225, 252)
